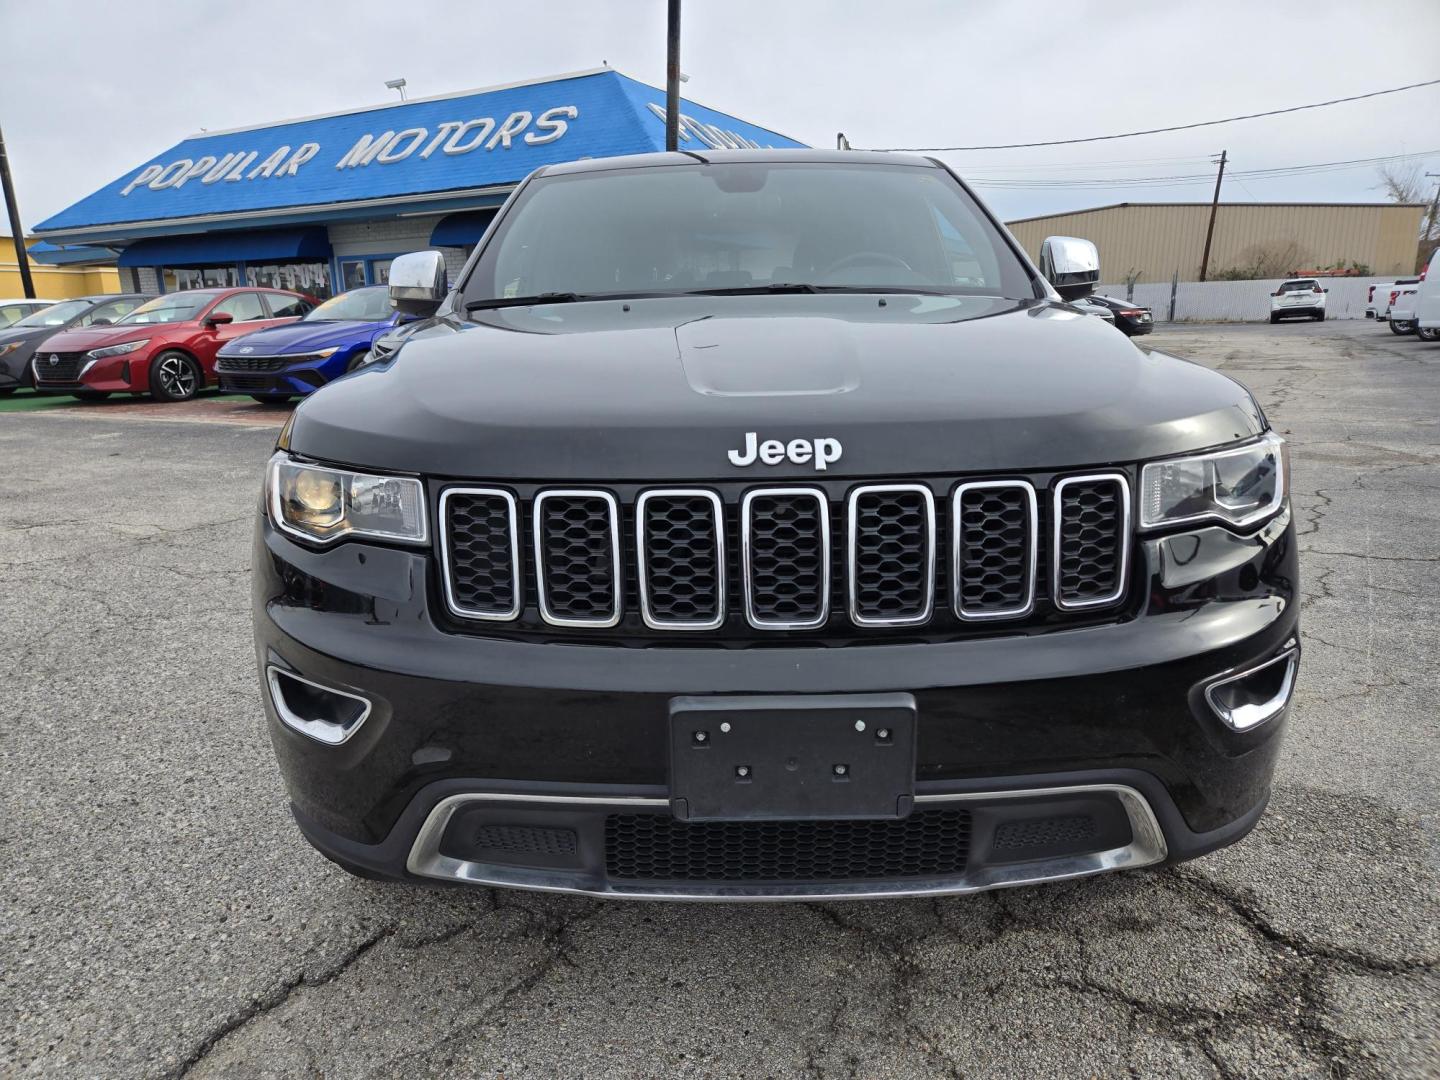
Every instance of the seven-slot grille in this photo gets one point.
(577, 557)
(694, 559)
(1092, 521)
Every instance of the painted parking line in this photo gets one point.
(207, 408)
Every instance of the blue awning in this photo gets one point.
(50, 255)
(462, 230)
(209, 249)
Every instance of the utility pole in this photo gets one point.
(672, 77)
(16, 232)
(1434, 209)
(1210, 229)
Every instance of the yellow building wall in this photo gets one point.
(1157, 240)
(53, 282)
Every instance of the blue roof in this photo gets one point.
(418, 153)
(48, 254)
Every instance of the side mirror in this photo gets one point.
(1071, 265)
(218, 318)
(417, 282)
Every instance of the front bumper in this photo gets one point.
(467, 735)
(127, 373)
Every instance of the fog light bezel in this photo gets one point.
(1248, 717)
(322, 731)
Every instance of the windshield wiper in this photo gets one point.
(756, 290)
(525, 301)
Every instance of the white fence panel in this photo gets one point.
(1239, 301)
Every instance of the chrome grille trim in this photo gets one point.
(642, 571)
(851, 537)
(616, 562)
(957, 503)
(746, 557)
(517, 581)
(1122, 573)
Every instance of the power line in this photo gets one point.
(1160, 130)
(1186, 179)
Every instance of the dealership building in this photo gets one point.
(322, 204)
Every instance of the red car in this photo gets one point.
(166, 347)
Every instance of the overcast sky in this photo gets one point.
(90, 90)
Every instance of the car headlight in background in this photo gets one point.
(1239, 487)
(117, 350)
(323, 504)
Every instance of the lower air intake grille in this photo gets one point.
(1091, 529)
(525, 840)
(1044, 832)
(577, 550)
(654, 847)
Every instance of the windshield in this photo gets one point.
(364, 305)
(1300, 286)
(54, 315)
(742, 226)
(176, 307)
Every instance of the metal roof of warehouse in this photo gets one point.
(431, 154)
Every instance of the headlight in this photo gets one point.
(324, 504)
(6, 350)
(1239, 487)
(117, 350)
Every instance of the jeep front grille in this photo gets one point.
(1092, 515)
(750, 563)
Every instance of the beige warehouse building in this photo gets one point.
(1156, 240)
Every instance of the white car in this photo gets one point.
(1298, 296)
(1376, 298)
(1427, 301)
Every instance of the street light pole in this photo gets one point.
(672, 77)
(17, 234)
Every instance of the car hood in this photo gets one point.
(303, 337)
(665, 389)
(83, 339)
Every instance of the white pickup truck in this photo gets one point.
(1421, 308)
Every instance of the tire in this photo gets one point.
(1274, 318)
(1399, 328)
(91, 395)
(271, 399)
(1429, 333)
(6, 391)
(175, 376)
(1320, 317)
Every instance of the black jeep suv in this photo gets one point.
(763, 524)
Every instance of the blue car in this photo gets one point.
(274, 365)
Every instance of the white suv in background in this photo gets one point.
(1298, 296)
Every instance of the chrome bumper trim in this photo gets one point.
(1147, 846)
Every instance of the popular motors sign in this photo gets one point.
(449, 138)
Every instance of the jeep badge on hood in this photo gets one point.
(823, 452)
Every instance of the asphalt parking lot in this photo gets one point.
(162, 917)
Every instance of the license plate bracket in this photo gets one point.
(822, 756)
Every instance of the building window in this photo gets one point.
(310, 278)
(174, 278)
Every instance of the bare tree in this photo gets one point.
(1409, 184)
